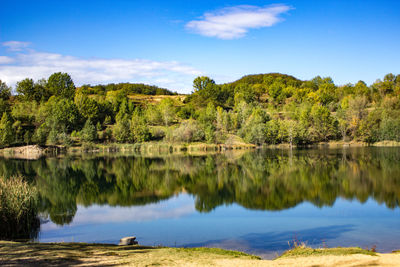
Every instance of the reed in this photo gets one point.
(18, 209)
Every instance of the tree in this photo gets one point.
(6, 130)
(167, 110)
(245, 92)
(254, 129)
(153, 115)
(89, 132)
(356, 112)
(323, 124)
(140, 130)
(202, 82)
(61, 84)
(26, 87)
(5, 91)
(61, 114)
(361, 88)
(88, 108)
(32, 91)
(121, 130)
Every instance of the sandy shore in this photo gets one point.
(308, 261)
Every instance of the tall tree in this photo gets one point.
(61, 84)
(6, 130)
(202, 82)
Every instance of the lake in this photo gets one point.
(259, 202)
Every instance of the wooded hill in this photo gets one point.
(261, 109)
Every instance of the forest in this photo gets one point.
(263, 109)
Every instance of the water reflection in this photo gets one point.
(262, 180)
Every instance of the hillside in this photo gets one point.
(261, 109)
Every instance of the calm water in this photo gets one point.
(255, 202)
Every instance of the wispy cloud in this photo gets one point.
(15, 45)
(235, 22)
(33, 64)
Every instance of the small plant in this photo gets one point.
(373, 248)
(296, 243)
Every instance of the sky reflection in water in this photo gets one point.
(175, 222)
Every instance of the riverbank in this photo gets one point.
(35, 151)
(81, 254)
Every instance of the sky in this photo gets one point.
(169, 43)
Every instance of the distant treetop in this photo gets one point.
(128, 88)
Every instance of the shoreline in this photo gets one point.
(36, 151)
(84, 254)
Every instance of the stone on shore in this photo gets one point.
(126, 241)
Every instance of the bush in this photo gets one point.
(157, 133)
(188, 131)
(390, 129)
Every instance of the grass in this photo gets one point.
(303, 251)
(219, 251)
(18, 208)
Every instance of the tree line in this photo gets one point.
(261, 109)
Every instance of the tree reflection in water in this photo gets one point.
(262, 179)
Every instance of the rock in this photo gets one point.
(126, 241)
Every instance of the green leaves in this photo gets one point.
(61, 84)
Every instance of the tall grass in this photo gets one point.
(18, 209)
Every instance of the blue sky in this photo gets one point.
(169, 43)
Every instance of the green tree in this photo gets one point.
(6, 130)
(88, 108)
(61, 114)
(167, 110)
(202, 82)
(324, 126)
(254, 129)
(32, 91)
(121, 129)
(245, 92)
(26, 87)
(89, 132)
(5, 91)
(61, 84)
(139, 129)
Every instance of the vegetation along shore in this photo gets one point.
(264, 109)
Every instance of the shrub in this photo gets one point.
(188, 131)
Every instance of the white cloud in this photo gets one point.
(33, 64)
(234, 22)
(175, 207)
(6, 60)
(16, 45)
